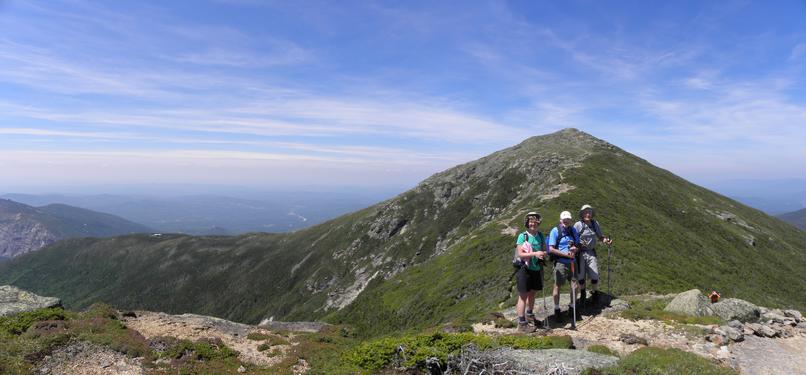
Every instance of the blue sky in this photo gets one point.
(285, 93)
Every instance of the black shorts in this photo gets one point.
(529, 280)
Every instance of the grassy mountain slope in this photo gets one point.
(441, 251)
(796, 218)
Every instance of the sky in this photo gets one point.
(386, 93)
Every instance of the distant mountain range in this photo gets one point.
(25, 228)
(441, 251)
(774, 197)
(797, 218)
(205, 214)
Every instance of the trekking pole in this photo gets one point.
(543, 294)
(609, 255)
(573, 295)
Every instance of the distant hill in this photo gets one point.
(207, 214)
(24, 228)
(441, 251)
(797, 218)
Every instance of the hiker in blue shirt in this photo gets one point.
(530, 275)
(562, 246)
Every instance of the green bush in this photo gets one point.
(662, 361)
(257, 336)
(601, 349)
(19, 323)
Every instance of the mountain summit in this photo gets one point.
(441, 251)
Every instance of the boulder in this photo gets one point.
(736, 309)
(732, 333)
(766, 331)
(774, 317)
(692, 303)
(14, 300)
(736, 324)
(794, 314)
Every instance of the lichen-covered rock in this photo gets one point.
(692, 303)
(14, 300)
(736, 309)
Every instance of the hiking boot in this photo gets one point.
(581, 299)
(523, 327)
(596, 297)
(558, 316)
(531, 319)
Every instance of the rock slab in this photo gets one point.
(14, 300)
(736, 309)
(692, 303)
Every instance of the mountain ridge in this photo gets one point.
(439, 251)
(796, 218)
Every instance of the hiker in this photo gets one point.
(714, 296)
(587, 264)
(530, 275)
(562, 246)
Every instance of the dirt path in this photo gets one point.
(194, 327)
(756, 355)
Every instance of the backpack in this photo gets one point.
(560, 234)
(517, 262)
(594, 227)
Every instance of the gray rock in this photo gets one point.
(774, 317)
(546, 361)
(692, 303)
(732, 333)
(717, 339)
(631, 339)
(14, 300)
(765, 331)
(735, 324)
(784, 331)
(736, 309)
(795, 314)
(801, 326)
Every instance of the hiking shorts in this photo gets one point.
(587, 266)
(529, 280)
(562, 273)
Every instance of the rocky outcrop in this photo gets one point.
(736, 309)
(14, 300)
(19, 235)
(24, 228)
(692, 303)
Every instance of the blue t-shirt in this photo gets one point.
(563, 245)
(535, 241)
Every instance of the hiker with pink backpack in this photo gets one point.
(529, 262)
